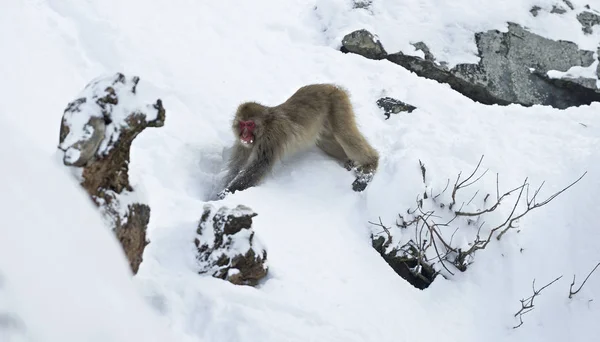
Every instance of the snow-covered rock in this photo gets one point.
(96, 134)
(513, 68)
(227, 245)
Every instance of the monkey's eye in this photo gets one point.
(250, 124)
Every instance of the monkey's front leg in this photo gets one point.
(248, 177)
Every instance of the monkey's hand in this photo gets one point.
(363, 178)
(221, 195)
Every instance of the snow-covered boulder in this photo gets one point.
(227, 246)
(96, 133)
(516, 66)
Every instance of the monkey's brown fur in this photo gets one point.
(318, 114)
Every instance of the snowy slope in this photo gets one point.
(63, 277)
(325, 281)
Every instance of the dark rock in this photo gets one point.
(535, 10)
(96, 135)
(513, 69)
(558, 10)
(227, 246)
(588, 20)
(131, 233)
(598, 67)
(363, 4)
(430, 70)
(392, 106)
(420, 46)
(419, 275)
(568, 3)
(363, 43)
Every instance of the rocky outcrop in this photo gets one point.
(392, 106)
(227, 246)
(588, 20)
(513, 69)
(363, 43)
(95, 139)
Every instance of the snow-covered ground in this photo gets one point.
(325, 281)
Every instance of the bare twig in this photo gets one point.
(527, 303)
(493, 207)
(531, 205)
(460, 185)
(386, 230)
(423, 170)
(445, 188)
(571, 292)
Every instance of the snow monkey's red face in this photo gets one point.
(247, 131)
(249, 123)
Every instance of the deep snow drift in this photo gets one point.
(63, 276)
(325, 281)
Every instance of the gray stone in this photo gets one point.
(585, 82)
(363, 43)
(535, 10)
(84, 149)
(513, 69)
(588, 20)
(598, 67)
(558, 10)
(420, 46)
(392, 106)
(363, 4)
(568, 3)
(506, 60)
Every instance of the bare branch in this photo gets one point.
(493, 207)
(531, 205)
(527, 303)
(459, 185)
(571, 292)
(445, 188)
(423, 170)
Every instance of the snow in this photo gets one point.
(325, 281)
(63, 276)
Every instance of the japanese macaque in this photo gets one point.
(318, 114)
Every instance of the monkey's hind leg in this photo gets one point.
(332, 147)
(356, 147)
